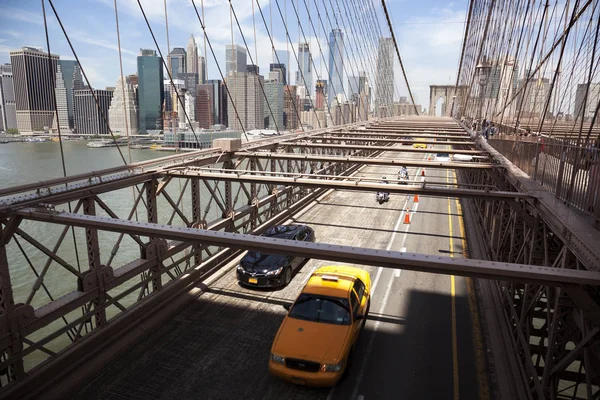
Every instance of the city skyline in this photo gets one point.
(22, 24)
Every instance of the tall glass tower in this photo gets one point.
(384, 91)
(336, 64)
(304, 68)
(150, 91)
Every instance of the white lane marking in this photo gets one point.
(371, 339)
(397, 273)
(403, 250)
(387, 293)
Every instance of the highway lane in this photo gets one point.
(218, 346)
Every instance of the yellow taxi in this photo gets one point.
(315, 341)
(420, 145)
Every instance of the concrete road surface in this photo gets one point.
(419, 341)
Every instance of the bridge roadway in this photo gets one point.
(419, 340)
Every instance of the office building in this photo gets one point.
(8, 109)
(189, 100)
(291, 107)
(178, 61)
(204, 105)
(336, 65)
(62, 108)
(320, 96)
(304, 73)
(33, 86)
(235, 59)
(280, 71)
(73, 80)
(218, 96)
(273, 108)
(591, 103)
(253, 69)
(202, 72)
(150, 91)
(91, 119)
(190, 81)
(123, 111)
(192, 66)
(384, 86)
(171, 94)
(245, 92)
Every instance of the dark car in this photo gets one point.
(273, 270)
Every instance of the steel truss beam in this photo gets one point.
(377, 148)
(360, 184)
(368, 161)
(352, 139)
(385, 258)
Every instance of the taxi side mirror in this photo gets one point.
(287, 306)
(359, 317)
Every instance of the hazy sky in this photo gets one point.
(429, 34)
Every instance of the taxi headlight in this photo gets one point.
(332, 367)
(275, 272)
(277, 359)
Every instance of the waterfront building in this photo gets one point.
(33, 86)
(62, 107)
(123, 112)
(8, 109)
(320, 97)
(72, 78)
(150, 91)
(202, 71)
(92, 118)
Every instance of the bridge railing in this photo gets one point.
(568, 171)
(571, 173)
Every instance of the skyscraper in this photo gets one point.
(33, 85)
(204, 105)
(192, 56)
(202, 74)
(178, 60)
(244, 87)
(273, 108)
(62, 108)
(384, 92)
(71, 75)
(336, 65)
(218, 97)
(291, 108)
(320, 97)
(591, 102)
(304, 68)
(8, 110)
(280, 69)
(123, 112)
(235, 59)
(89, 118)
(150, 91)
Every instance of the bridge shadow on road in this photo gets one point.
(218, 347)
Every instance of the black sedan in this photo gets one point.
(273, 270)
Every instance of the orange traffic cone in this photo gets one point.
(429, 158)
(423, 173)
(416, 199)
(407, 218)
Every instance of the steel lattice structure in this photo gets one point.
(543, 282)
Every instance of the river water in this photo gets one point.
(22, 163)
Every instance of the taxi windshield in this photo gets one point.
(329, 310)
